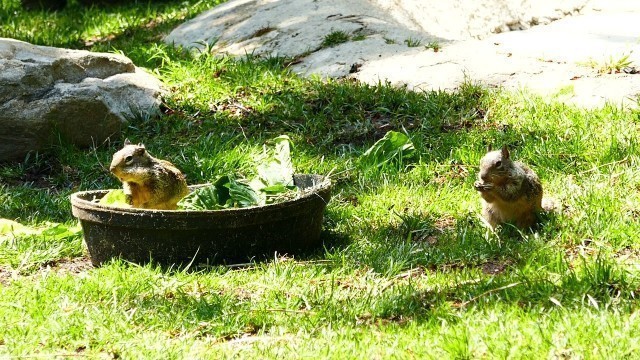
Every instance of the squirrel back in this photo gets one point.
(149, 183)
(511, 192)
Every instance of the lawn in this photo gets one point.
(407, 269)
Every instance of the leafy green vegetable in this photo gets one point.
(115, 198)
(279, 169)
(275, 176)
(394, 145)
(223, 189)
(211, 197)
(275, 189)
(10, 229)
(274, 182)
(204, 198)
(60, 231)
(226, 192)
(243, 195)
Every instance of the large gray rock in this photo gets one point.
(473, 38)
(551, 60)
(293, 27)
(83, 97)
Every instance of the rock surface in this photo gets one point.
(293, 27)
(81, 96)
(393, 40)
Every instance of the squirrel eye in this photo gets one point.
(128, 159)
(498, 163)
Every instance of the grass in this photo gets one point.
(411, 42)
(434, 45)
(407, 270)
(335, 38)
(359, 37)
(610, 65)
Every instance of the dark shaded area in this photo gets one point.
(602, 280)
(61, 4)
(43, 4)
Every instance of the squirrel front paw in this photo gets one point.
(482, 186)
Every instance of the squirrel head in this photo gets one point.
(128, 161)
(495, 165)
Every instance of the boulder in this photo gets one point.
(436, 45)
(79, 96)
(295, 27)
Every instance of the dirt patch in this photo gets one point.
(6, 275)
(41, 175)
(70, 265)
(73, 266)
(448, 172)
(432, 234)
(495, 267)
(444, 223)
(575, 252)
(628, 256)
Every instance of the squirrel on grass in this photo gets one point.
(148, 183)
(511, 192)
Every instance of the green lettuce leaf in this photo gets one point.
(394, 145)
(115, 198)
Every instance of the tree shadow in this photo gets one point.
(597, 284)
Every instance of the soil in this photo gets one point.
(73, 266)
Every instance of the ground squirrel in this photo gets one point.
(148, 183)
(511, 192)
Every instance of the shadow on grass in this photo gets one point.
(228, 312)
(556, 285)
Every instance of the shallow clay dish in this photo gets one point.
(178, 237)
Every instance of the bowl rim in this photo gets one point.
(306, 194)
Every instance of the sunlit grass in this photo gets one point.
(406, 271)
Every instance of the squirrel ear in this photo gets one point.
(127, 142)
(139, 150)
(505, 152)
(489, 148)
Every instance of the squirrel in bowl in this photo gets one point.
(148, 183)
(511, 192)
